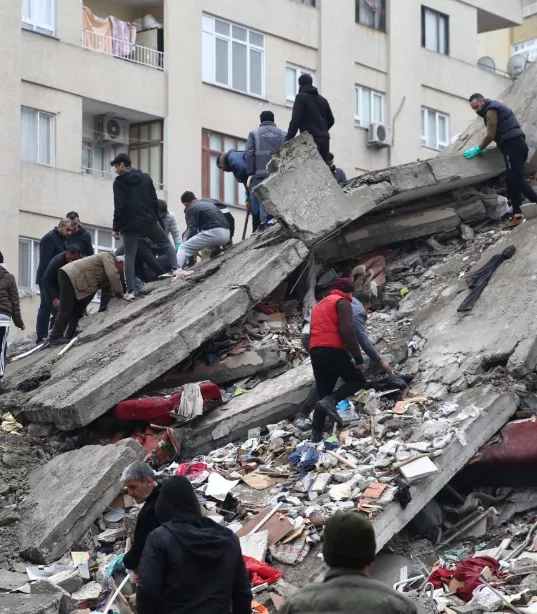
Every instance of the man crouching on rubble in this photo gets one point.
(332, 334)
(349, 550)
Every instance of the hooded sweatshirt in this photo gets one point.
(135, 201)
(311, 113)
(190, 564)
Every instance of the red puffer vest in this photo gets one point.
(325, 322)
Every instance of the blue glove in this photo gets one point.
(472, 152)
(115, 565)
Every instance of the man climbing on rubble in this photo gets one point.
(311, 113)
(51, 281)
(79, 282)
(332, 338)
(79, 235)
(136, 215)
(339, 173)
(361, 304)
(9, 308)
(207, 227)
(234, 162)
(190, 563)
(503, 127)
(349, 549)
(261, 143)
(139, 482)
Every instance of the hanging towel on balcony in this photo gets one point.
(121, 33)
(97, 32)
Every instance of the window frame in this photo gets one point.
(34, 264)
(99, 249)
(312, 3)
(230, 40)
(441, 144)
(32, 26)
(382, 19)
(289, 102)
(527, 48)
(206, 153)
(52, 137)
(134, 149)
(359, 91)
(439, 18)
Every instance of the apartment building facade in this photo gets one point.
(79, 88)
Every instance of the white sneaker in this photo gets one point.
(130, 296)
(168, 274)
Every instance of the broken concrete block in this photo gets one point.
(473, 212)
(529, 210)
(255, 545)
(467, 234)
(70, 581)
(89, 592)
(46, 587)
(13, 603)
(321, 483)
(68, 494)
(10, 580)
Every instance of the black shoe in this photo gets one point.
(59, 341)
(328, 407)
(316, 436)
(262, 227)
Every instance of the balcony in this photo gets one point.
(499, 14)
(122, 50)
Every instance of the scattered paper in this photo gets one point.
(218, 487)
(258, 481)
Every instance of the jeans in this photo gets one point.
(4, 331)
(328, 365)
(515, 154)
(215, 237)
(43, 315)
(323, 145)
(71, 309)
(153, 231)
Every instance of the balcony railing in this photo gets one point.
(122, 49)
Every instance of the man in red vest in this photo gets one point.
(334, 352)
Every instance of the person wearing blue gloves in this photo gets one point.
(503, 127)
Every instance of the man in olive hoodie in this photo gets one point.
(349, 550)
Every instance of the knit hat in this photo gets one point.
(344, 284)
(266, 116)
(349, 541)
(305, 79)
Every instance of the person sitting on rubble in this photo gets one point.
(79, 235)
(139, 482)
(332, 338)
(169, 223)
(207, 227)
(79, 282)
(363, 280)
(9, 308)
(190, 563)
(361, 304)
(51, 281)
(349, 549)
(339, 173)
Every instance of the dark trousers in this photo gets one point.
(4, 331)
(515, 154)
(71, 309)
(153, 231)
(328, 365)
(145, 256)
(323, 145)
(43, 315)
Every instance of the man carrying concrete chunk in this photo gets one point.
(332, 337)
(503, 127)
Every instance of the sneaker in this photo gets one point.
(169, 274)
(328, 407)
(262, 227)
(515, 221)
(130, 296)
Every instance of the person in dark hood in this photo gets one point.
(339, 173)
(311, 113)
(190, 564)
(136, 215)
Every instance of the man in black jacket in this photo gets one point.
(139, 482)
(311, 113)
(136, 215)
(190, 563)
(207, 227)
(80, 236)
(51, 282)
(339, 173)
(52, 244)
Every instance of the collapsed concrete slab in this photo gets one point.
(126, 348)
(17, 603)
(68, 494)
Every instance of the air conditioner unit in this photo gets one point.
(110, 129)
(379, 135)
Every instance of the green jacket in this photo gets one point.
(346, 591)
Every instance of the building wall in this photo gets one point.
(526, 31)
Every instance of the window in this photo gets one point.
(38, 15)
(233, 56)
(369, 106)
(216, 183)
(37, 136)
(434, 31)
(371, 13)
(102, 239)
(145, 149)
(28, 263)
(527, 48)
(292, 73)
(308, 2)
(434, 128)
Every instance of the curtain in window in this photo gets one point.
(43, 13)
(431, 130)
(28, 135)
(25, 271)
(431, 31)
(45, 139)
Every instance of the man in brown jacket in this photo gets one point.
(79, 282)
(9, 308)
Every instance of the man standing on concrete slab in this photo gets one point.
(51, 278)
(169, 224)
(52, 244)
(9, 308)
(136, 215)
(139, 482)
(332, 337)
(339, 173)
(261, 143)
(361, 304)
(311, 113)
(79, 283)
(503, 127)
(80, 236)
(207, 227)
(349, 548)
